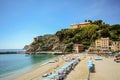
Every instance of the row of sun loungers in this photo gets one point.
(63, 71)
(91, 66)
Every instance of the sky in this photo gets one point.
(22, 20)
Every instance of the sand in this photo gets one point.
(105, 69)
(48, 68)
(81, 70)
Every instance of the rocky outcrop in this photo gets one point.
(48, 42)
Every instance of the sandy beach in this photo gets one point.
(81, 70)
(48, 68)
(105, 69)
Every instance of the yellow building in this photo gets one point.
(115, 46)
(98, 43)
(102, 43)
(74, 26)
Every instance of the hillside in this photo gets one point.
(64, 39)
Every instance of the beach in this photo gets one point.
(105, 69)
(47, 68)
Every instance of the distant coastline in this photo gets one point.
(11, 51)
(8, 52)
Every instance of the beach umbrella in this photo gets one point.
(66, 66)
(46, 78)
(70, 63)
(90, 65)
(52, 76)
(60, 70)
(90, 61)
(77, 60)
(74, 61)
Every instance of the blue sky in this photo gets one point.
(22, 20)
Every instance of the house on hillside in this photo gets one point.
(74, 26)
(78, 48)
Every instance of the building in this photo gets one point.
(74, 26)
(98, 43)
(102, 44)
(78, 48)
(115, 45)
(105, 45)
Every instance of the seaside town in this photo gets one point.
(59, 40)
(99, 61)
(85, 51)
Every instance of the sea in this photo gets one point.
(14, 65)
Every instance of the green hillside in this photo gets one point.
(64, 39)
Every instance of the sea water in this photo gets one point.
(11, 63)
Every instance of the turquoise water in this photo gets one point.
(14, 62)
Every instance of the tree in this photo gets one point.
(90, 21)
(115, 32)
(86, 21)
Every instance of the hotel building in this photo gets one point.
(102, 44)
(74, 26)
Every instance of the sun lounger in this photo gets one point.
(98, 58)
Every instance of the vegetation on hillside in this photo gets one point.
(64, 39)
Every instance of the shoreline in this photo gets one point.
(80, 72)
(12, 52)
(17, 73)
(46, 69)
(24, 52)
(39, 71)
